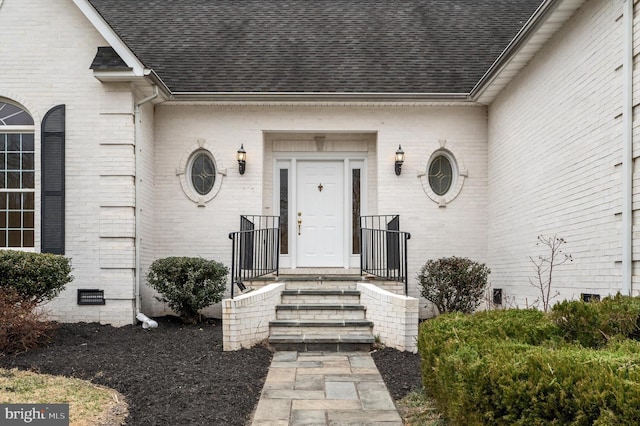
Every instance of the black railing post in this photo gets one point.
(406, 265)
(232, 236)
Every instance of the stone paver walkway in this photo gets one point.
(324, 388)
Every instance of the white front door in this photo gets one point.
(319, 213)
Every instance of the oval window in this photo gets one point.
(440, 174)
(203, 173)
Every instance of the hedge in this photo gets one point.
(513, 368)
(36, 277)
(593, 324)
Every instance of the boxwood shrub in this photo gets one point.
(593, 324)
(36, 277)
(188, 284)
(513, 368)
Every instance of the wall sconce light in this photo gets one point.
(399, 160)
(242, 159)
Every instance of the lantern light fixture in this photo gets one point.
(242, 159)
(399, 160)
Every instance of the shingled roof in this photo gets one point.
(328, 46)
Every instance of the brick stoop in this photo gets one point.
(319, 314)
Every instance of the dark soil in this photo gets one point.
(178, 374)
(400, 371)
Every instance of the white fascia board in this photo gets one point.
(318, 97)
(110, 36)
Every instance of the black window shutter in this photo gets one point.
(52, 169)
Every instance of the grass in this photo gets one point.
(89, 404)
(417, 409)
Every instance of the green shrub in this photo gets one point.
(453, 284)
(593, 324)
(188, 284)
(36, 277)
(489, 368)
(22, 325)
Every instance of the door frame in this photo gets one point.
(350, 160)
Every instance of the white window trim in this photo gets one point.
(182, 171)
(459, 172)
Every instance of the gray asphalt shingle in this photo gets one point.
(335, 46)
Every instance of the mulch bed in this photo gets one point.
(178, 374)
(399, 370)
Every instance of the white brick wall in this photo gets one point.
(395, 317)
(183, 228)
(45, 57)
(245, 319)
(554, 146)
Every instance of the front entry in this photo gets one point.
(319, 198)
(319, 213)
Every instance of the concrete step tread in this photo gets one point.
(320, 306)
(319, 338)
(301, 278)
(324, 292)
(321, 323)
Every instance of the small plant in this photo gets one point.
(188, 284)
(22, 325)
(37, 277)
(544, 266)
(453, 284)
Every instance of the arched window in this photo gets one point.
(17, 177)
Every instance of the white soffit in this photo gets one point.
(110, 36)
(543, 25)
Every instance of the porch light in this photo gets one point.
(242, 159)
(399, 160)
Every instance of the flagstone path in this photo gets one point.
(325, 389)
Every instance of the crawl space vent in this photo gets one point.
(90, 297)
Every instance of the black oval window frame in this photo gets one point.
(436, 186)
(197, 169)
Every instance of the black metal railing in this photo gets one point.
(383, 248)
(255, 249)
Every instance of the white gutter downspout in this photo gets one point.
(627, 149)
(146, 321)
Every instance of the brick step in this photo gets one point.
(321, 284)
(320, 311)
(315, 296)
(320, 327)
(315, 342)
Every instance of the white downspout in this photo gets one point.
(627, 150)
(146, 321)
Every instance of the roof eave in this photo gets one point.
(319, 97)
(148, 78)
(542, 26)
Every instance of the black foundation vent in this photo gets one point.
(497, 296)
(588, 297)
(90, 297)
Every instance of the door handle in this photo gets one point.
(299, 221)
